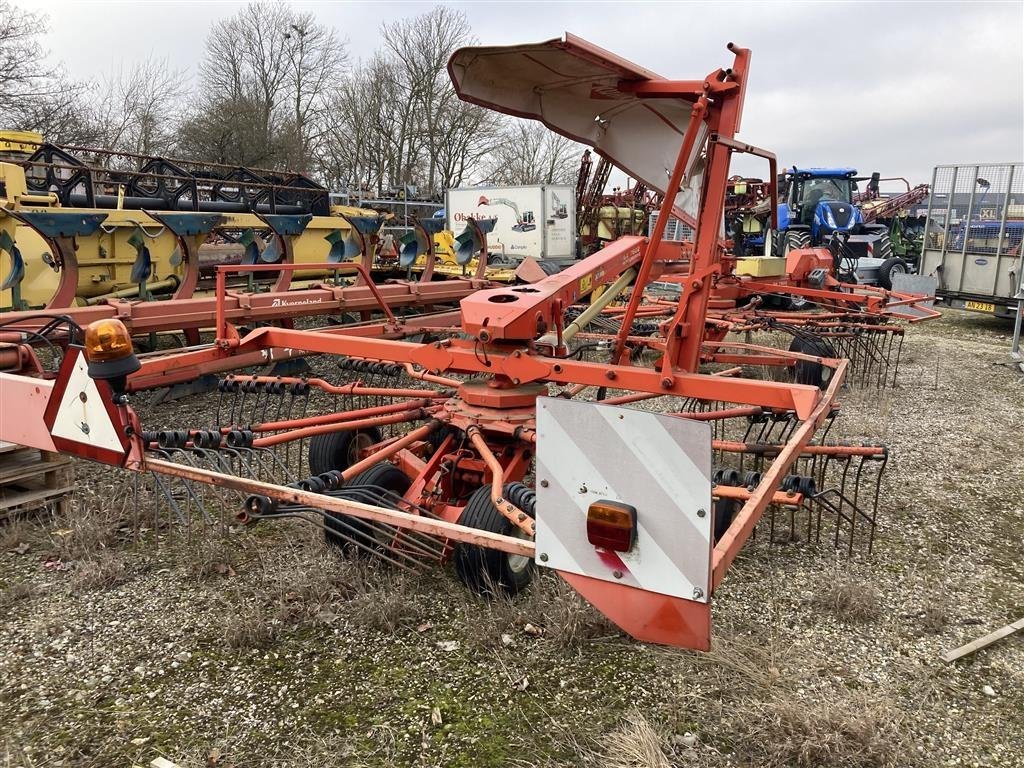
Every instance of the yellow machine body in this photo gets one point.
(105, 258)
(761, 266)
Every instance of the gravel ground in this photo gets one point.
(215, 647)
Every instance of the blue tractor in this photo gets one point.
(817, 204)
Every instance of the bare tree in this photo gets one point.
(277, 66)
(528, 153)
(396, 119)
(135, 108)
(33, 94)
(317, 60)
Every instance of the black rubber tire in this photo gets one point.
(338, 450)
(891, 266)
(796, 238)
(795, 303)
(384, 475)
(725, 511)
(807, 372)
(883, 248)
(488, 571)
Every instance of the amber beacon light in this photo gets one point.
(108, 350)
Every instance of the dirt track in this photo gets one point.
(260, 648)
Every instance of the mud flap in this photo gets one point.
(658, 591)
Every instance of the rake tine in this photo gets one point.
(380, 496)
(168, 495)
(874, 507)
(899, 354)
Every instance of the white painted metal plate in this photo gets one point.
(82, 421)
(659, 464)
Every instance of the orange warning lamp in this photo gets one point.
(611, 525)
(108, 349)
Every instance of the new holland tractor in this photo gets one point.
(817, 209)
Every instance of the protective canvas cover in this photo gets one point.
(570, 85)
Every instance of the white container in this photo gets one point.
(537, 221)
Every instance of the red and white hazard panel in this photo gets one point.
(81, 415)
(658, 464)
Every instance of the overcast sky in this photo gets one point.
(887, 86)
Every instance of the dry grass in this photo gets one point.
(550, 605)
(104, 571)
(775, 712)
(249, 626)
(213, 555)
(88, 530)
(934, 617)
(310, 586)
(635, 743)
(16, 533)
(841, 729)
(17, 593)
(848, 597)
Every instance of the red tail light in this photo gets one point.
(611, 525)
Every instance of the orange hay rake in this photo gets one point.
(499, 438)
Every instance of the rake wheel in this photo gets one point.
(339, 450)
(489, 572)
(339, 530)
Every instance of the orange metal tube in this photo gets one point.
(724, 413)
(334, 418)
(423, 375)
(624, 399)
(376, 458)
(808, 450)
(284, 437)
(404, 520)
(342, 389)
(742, 494)
(510, 511)
(671, 189)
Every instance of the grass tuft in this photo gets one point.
(635, 743)
(850, 598)
(104, 571)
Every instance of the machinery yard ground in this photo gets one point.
(260, 647)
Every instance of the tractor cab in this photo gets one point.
(820, 199)
(818, 210)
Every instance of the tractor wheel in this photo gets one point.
(339, 450)
(339, 528)
(725, 511)
(891, 267)
(883, 249)
(795, 303)
(489, 572)
(807, 372)
(796, 239)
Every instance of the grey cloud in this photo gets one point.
(894, 87)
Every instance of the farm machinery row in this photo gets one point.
(82, 227)
(871, 235)
(614, 422)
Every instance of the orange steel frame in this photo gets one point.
(497, 416)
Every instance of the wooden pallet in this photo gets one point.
(31, 479)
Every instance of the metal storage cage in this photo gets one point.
(973, 234)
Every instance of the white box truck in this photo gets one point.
(537, 221)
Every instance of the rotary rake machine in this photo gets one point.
(500, 438)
